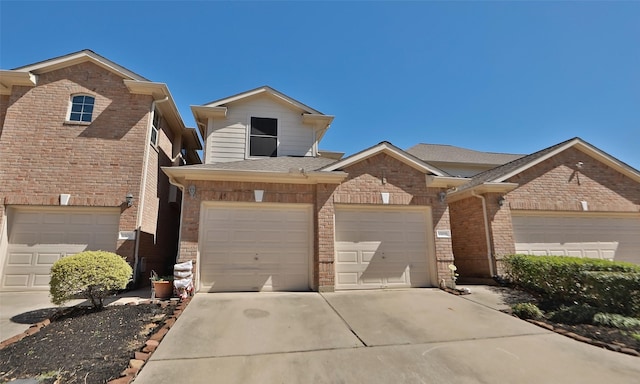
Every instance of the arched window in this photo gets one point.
(81, 108)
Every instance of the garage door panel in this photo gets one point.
(379, 248)
(19, 259)
(610, 238)
(37, 239)
(251, 248)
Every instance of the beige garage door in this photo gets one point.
(381, 248)
(255, 247)
(612, 238)
(37, 238)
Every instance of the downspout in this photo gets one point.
(143, 188)
(486, 230)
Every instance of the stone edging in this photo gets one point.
(141, 357)
(561, 331)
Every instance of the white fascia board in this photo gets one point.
(202, 113)
(159, 91)
(445, 181)
(488, 187)
(381, 148)
(268, 90)
(181, 174)
(588, 150)
(10, 78)
(77, 58)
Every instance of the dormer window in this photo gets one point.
(81, 108)
(263, 137)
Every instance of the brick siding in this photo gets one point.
(43, 155)
(554, 185)
(405, 185)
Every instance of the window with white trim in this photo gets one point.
(263, 137)
(155, 127)
(81, 108)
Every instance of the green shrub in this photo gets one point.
(575, 314)
(613, 291)
(614, 286)
(91, 275)
(614, 320)
(527, 311)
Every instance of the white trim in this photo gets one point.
(620, 215)
(77, 58)
(267, 115)
(583, 147)
(267, 90)
(388, 149)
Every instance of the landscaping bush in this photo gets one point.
(614, 320)
(90, 274)
(614, 286)
(574, 314)
(527, 311)
(613, 291)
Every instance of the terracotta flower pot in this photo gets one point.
(163, 289)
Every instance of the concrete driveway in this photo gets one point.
(394, 336)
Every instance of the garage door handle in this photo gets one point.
(255, 258)
(383, 257)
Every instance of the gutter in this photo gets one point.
(486, 230)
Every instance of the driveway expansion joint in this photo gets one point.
(343, 319)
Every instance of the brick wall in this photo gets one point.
(469, 237)
(4, 104)
(555, 184)
(405, 185)
(43, 155)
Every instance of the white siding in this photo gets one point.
(227, 138)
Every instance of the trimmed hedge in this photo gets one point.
(91, 275)
(612, 286)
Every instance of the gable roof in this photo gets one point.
(76, 58)
(27, 75)
(218, 109)
(391, 150)
(265, 89)
(452, 154)
(504, 172)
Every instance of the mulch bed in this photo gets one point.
(84, 345)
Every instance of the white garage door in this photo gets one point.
(256, 247)
(581, 236)
(37, 238)
(380, 248)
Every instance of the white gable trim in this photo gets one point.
(10, 78)
(77, 58)
(387, 149)
(266, 90)
(589, 150)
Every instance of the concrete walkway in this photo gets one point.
(19, 310)
(390, 336)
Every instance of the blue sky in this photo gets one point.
(511, 77)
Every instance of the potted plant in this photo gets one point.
(161, 286)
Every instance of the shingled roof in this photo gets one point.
(271, 164)
(452, 154)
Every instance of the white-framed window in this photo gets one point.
(81, 108)
(263, 137)
(155, 127)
